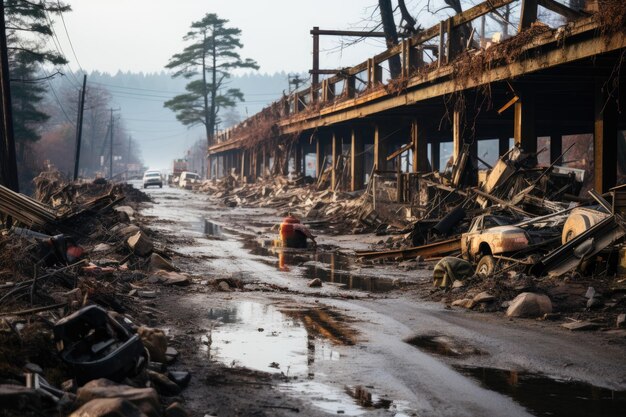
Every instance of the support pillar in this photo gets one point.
(297, 158)
(336, 149)
(556, 146)
(457, 135)
(319, 156)
(604, 139)
(357, 158)
(380, 149)
(435, 154)
(524, 124)
(243, 164)
(420, 148)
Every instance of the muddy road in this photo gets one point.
(362, 344)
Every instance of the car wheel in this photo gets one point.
(160, 185)
(486, 266)
(145, 186)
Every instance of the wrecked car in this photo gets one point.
(492, 237)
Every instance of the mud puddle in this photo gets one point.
(332, 267)
(545, 396)
(443, 346)
(291, 341)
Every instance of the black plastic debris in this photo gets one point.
(95, 345)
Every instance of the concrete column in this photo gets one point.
(357, 158)
(604, 140)
(524, 124)
(380, 148)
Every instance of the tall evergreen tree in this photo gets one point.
(28, 29)
(211, 56)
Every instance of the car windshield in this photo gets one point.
(494, 221)
(152, 174)
(192, 176)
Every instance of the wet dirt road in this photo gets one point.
(361, 344)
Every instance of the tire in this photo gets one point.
(145, 186)
(486, 266)
(160, 185)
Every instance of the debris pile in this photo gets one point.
(337, 211)
(75, 278)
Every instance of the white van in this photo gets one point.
(187, 179)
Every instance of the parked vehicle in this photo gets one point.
(178, 167)
(152, 178)
(187, 179)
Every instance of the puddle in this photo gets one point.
(544, 396)
(291, 340)
(261, 337)
(443, 345)
(331, 267)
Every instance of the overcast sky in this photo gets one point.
(141, 35)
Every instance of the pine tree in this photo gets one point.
(211, 56)
(28, 29)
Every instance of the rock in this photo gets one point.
(163, 384)
(157, 262)
(621, 321)
(102, 247)
(155, 341)
(457, 284)
(591, 292)
(315, 283)
(464, 302)
(528, 304)
(594, 302)
(580, 325)
(173, 278)
(483, 297)
(175, 410)
(223, 286)
(181, 378)
(108, 407)
(140, 244)
(145, 399)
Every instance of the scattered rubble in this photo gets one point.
(74, 271)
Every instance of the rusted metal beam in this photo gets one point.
(431, 250)
(528, 14)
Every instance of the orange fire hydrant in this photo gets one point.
(294, 234)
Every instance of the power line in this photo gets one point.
(171, 92)
(59, 48)
(56, 97)
(68, 38)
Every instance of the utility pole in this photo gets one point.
(111, 148)
(8, 162)
(79, 126)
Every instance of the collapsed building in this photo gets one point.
(358, 133)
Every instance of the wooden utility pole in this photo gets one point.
(8, 163)
(111, 148)
(79, 126)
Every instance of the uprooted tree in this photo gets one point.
(211, 56)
